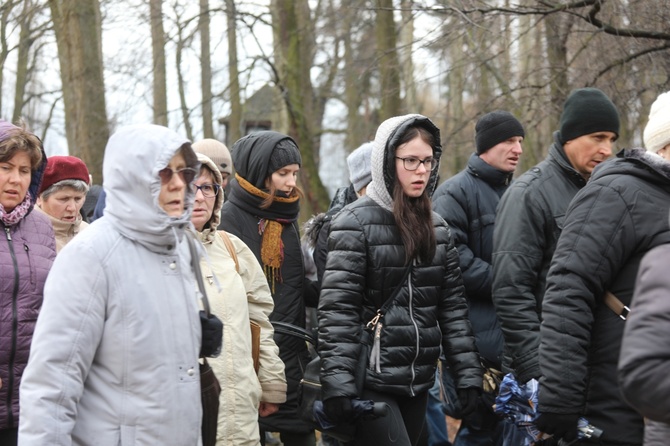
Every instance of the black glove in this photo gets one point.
(338, 409)
(561, 425)
(468, 398)
(212, 335)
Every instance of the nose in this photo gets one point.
(422, 167)
(176, 182)
(199, 196)
(606, 148)
(517, 149)
(291, 181)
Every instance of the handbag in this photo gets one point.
(253, 326)
(309, 388)
(210, 389)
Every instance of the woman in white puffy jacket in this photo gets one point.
(237, 294)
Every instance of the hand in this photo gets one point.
(266, 409)
(561, 425)
(212, 335)
(338, 409)
(468, 398)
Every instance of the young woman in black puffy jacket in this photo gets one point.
(387, 240)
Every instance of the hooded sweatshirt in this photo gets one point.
(114, 359)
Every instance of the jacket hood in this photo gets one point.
(639, 162)
(133, 157)
(251, 155)
(211, 226)
(385, 144)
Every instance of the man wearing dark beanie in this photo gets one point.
(468, 202)
(530, 218)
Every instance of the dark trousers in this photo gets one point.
(293, 439)
(400, 427)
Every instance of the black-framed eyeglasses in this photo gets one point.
(187, 174)
(412, 163)
(208, 190)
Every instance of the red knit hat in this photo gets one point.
(61, 168)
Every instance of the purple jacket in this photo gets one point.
(27, 251)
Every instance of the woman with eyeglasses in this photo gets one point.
(262, 211)
(393, 286)
(114, 359)
(238, 293)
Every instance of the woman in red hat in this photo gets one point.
(62, 194)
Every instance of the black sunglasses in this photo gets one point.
(187, 174)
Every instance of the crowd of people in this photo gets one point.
(554, 278)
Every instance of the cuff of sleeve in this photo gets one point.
(274, 393)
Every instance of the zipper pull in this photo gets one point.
(26, 248)
(376, 347)
(210, 278)
(370, 325)
(9, 235)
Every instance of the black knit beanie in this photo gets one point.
(586, 111)
(494, 128)
(284, 153)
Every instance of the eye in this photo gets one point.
(207, 188)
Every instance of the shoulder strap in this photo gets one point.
(614, 304)
(230, 248)
(195, 265)
(383, 306)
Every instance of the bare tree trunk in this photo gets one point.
(406, 63)
(293, 40)
(25, 42)
(556, 34)
(389, 70)
(205, 71)
(5, 10)
(159, 70)
(235, 124)
(185, 114)
(77, 24)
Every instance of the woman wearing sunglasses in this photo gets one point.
(114, 359)
(392, 273)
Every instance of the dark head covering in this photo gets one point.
(496, 127)
(586, 111)
(252, 154)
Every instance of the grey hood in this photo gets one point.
(133, 157)
(383, 156)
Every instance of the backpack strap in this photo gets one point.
(230, 248)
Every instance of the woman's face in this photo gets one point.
(413, 182)
(15, 175)
(284, 179)
(64, 204)
(173, 187)
(204, 206)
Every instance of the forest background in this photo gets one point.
(75, 70)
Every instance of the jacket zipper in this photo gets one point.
(12, 353)
(416, 331)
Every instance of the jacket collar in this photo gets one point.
(557, 155)
(481, 169)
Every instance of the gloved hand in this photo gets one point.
(212, 335)
(561, 425)
(338, 409)
(468, 398)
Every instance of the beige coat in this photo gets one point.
(236, 299)
(63, 230)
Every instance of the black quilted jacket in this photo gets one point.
(364, 266)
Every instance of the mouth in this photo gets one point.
(69, 219)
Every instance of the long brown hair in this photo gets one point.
(414, 216)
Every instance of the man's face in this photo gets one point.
(587, 151)
(504, 155)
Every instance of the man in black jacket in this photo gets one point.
(610, 224)
(530, 219)
(468, 202)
